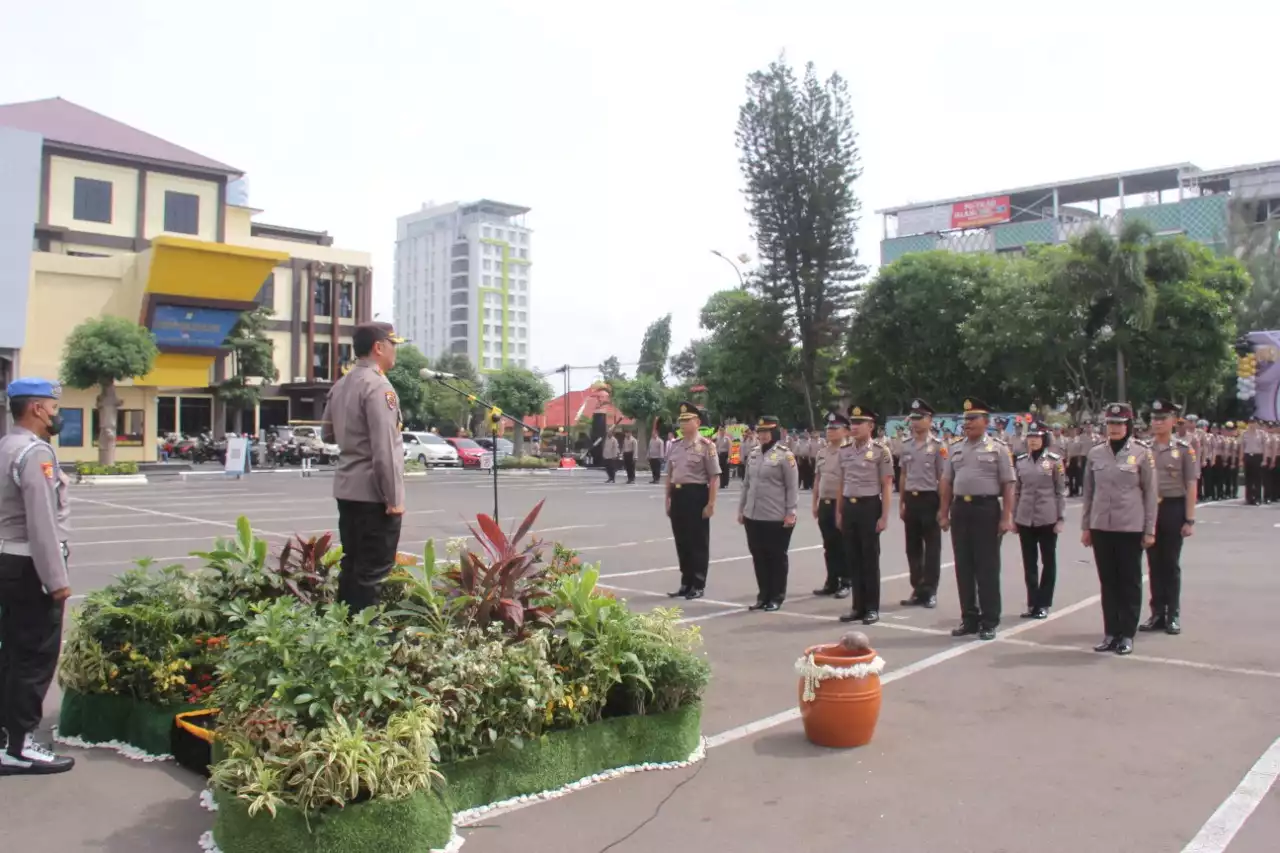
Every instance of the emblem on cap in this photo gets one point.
(684, 410)
(968, 404)
(831, 418)
(857, 411)
(915, 404)
(1157, 406)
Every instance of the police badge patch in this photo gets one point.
(392, 402)
(46, 468)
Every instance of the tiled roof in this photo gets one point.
(60, 121)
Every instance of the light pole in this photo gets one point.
(741, 282)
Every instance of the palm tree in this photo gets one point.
(1109, 272)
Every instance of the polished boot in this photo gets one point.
(1172, 626)
(1155, 623)
(694, 593)
(772, 606)
(930, 602)
(759, 605)
(872, 617)
(851, 616)
(843, 592)
(1042, 613)
(964, 630)
(682, 592)
(1108, 644)
(1125, 646)
(913, 601)
(987, 634)
(827, 590)
(1029, 614)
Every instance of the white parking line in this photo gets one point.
(709, 562)
(1216, 835)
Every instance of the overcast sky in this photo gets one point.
(617, 127)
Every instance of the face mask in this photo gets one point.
(55, 424)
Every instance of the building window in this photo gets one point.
(345, 355)
(166, 415)
(322, 296)
(320, 352)
(346, 299)
(72, 434)
(92, 200)
(267, 293)
(129, 427)
(524, 253)
(181, 212)
(488, 281)
(458, 330)
(458, 314)
(458, 347)
(459, 297)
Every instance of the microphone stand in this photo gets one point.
(476, 401)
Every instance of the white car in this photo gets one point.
(429, 449)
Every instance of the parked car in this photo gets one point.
(429, 449)
(471, 454)
(505, 447)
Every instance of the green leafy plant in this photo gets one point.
(94, 469)
(524, 463)
(239, 568)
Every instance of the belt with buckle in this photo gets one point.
(677, 485)
(827, 501)
(978, 499)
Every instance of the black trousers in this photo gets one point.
(1252, 478)
(629, 465)
(611, 468)
(804, 466)
(724, 469)
(924, 542)
(1041, 578)
(975, 540)
(832, 546)
(862, 551)
(1075, 476)
(768, 542)
(1164, 559)
(370, 539)
(1119, 559)
(30, 639)
(692, 533)
(655, 468)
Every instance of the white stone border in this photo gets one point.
(470, 816)
(128, 750)
(112, 480)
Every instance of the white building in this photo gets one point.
(462, 282)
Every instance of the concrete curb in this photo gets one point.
(113, 480)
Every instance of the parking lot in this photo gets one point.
(1028, 743)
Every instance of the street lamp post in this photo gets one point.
(741, 282)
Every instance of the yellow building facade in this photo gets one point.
(128, 225)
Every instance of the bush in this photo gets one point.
(93, 469)
(523, 462)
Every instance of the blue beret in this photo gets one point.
(32, 387)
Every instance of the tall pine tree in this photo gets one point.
(799, 157)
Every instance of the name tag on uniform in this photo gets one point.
(773, 457)
(1175, 454)
(1132, 460)
(870, 455)
(1045, 464)
(1128, 468)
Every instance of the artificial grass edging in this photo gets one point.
(109, 719)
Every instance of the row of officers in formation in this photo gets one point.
(1139, 491)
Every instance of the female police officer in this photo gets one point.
(1119, 520)
(767, 509)
(1039, 505)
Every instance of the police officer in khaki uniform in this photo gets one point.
(977, 494)
(800, 448)
(723, 445)
(1040, 505)
(1252, 444)
(656, 450)
(1077, 448)
(922, 463)
(1119, 521)
(767, 509)
(866, 472)
(362, 416)
(34, 585)
(1176, 472)
(630, 447)
(693, 471)
(612, 456)
(826, 500)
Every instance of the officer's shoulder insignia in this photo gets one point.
(46, 468)
(1022, 456)
(1053, 455)
(390, 396)
(791, 457)
(999, 440)
(704, 440)
(1143, 443)
(1181, 442)
(957, 439)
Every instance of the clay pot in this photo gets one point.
(843, 711)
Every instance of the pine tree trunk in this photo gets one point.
(237, 420)
(108, 409)
(517, 441)
(1120, 371)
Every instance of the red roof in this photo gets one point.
(62, 122)
(582, 404)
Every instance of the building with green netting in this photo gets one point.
(1206, 205)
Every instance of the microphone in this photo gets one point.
(428, 373)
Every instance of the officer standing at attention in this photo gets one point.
(629, 449)
(1119, 520)
(612, 454)
(362, 416)
(978, 474)
(801, 451)
(1176, 471)
(767, 509)
(1040, 500)
(723, 445)
(866, 472)
(827, 487)
(923, 459)
(34, 584)
(656, 449)
(693, 471)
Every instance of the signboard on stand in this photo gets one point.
(237, 456)
(980, 212)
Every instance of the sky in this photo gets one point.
(616, 125)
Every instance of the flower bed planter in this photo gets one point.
(113, 480)
(425, 822)
(110, 720)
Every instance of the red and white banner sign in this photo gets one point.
(980, 211)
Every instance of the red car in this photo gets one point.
(471, 454)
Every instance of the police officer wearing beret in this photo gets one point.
(767, 509)
(1119, 520)
(1176, 472)
(362, 416)
(977, 495)
(1040, 504)
(34, 585)
(827, 490)
(922, 461)
(693, 472)
(866, 472)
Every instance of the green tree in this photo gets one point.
(448, 408)
(519, 393)
(799, 157)
(99, 353)
(641, 399)
(252, 356)
(611, 370)
(748, 362)
(410, 388)
(655, 348)
(684, 364)
(1255, 240)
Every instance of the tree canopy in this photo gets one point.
(252, 356)
(413, 392)
(655, 348)
(518, 392)
(99, 353)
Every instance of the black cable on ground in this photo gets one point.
(658, 808)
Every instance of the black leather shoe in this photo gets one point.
(843, 592)
(694, 593)
(1042, 613)
(930, 602)
(987, 634)
(1125, 646)
(1108, 644)
(964, 630)
(853, 616)
(913, 601)
(759, 605)
(827, 590)
(1155, 623)
(872, 617)
(771, 606)
(1029, 614)
(682, 592)
(1172, 626)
